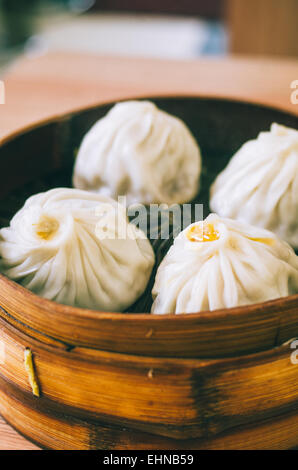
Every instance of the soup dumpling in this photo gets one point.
(77, 248)
(222, 263)
(260, 184)
(141, 152)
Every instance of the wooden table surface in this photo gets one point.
(51, 85)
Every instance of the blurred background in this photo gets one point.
(149, 28)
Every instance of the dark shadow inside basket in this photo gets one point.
(43, 158)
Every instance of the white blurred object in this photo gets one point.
(80, 6)
(132, 34)
(36, 46)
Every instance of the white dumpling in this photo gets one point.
(141, 152)
(222, 263)
(77, 248)
(260, 184)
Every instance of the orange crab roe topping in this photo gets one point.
(266, 241)
(202, 233)
(47, 228)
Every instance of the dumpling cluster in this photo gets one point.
(223, 263)
(260, 184)
(77, 248)
(141, 152)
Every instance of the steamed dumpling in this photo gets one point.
(77, 248)
(141, 152)
(260, 184)
(223, 263)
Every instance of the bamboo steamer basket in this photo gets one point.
(208, 380)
